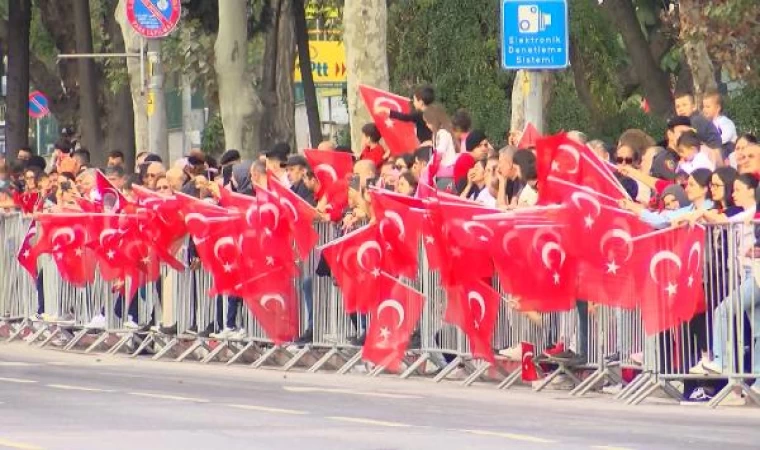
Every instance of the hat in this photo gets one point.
(474, 139)
(297, 160)
(679, 121)
(677, 192)
(664, 165)
(280, 151)
(152, 157)
(229, 156)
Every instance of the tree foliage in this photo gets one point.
(454, 45)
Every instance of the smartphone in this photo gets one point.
(355, 183)
(374, 182)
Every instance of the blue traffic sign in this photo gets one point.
(534, 34)
(38, 105)
(153, 18)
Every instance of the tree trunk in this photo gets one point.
(158, 142)
(278, 124)
(702, 69)
(581, 77)
(524, 90)
(90, 83)
(239, 105)
(17, 100)
(365, 37)
(120, 133)
(654, 80)
(133, 43)
(307, 78)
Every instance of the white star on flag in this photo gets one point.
(612, 267)
(111, 254)
(589, 221)
(671, 289)
(385, 333)
(270, 261)
(691, 280)
(389, 122)
(556, 278)
(228, 268)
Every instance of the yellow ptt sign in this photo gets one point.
(328, 62)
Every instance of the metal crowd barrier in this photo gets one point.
(610, 341)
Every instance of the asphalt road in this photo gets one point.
(53, 400)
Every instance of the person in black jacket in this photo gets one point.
(424, 96)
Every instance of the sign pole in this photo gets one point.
(534, 101)
(39, 138)
(156, 122)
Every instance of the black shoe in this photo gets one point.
(306, 338)
(415, 342)
(207, 332)
(144, 329)
(169, 331)
(358, 341)
(192, 330)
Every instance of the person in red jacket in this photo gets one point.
(371, 148)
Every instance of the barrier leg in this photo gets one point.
(733, 384)
(562, 369)
(165, 349)
(333, 352)
(24, 324)
(215, 352)
(604, 372)
(415, 366)
(192, 349)
(241, 352)
(77, 337)
(264, 357)
(450, 367)
(118, 346)
(33, 338)
(53, 334)
(353, 361)
(297, 357)
(144, 345)
(511, 379)
(634, 386)
(98, 342)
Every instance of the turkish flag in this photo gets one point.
(528, 372)
(65, 237)
(356, 261)
(106, 233)
(570, 161)
(330, 167)
(88, 206)
(399, 228)
(669, 276)
(529, 138)
(300, 215)
(218, 242)
(272, 300)
(167, 222)
(27, 202)
(392, 321)
(607, 264)
(547, 274)
(110, 197)
(473, 306)
(400, 137)
(27, 256)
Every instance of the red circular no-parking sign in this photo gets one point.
(154, 18)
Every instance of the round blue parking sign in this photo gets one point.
(153, 18)
(38, 105)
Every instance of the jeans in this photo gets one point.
(233, 304)
(745, 298)
(307, 287)
(40, 293)
(582, 345)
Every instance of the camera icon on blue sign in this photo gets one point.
(531, 20)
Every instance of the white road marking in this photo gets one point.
(16, 380)
(15, 364)
(608, 447)
(270, 410)
(348, 392)
(378, 423)
(170, 397)
(512, 436)
(77, 388)
(18, 445)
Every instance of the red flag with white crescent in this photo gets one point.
(400, 137)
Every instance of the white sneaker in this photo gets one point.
(239, 334)
(712, 367)
(131, 325)
(225, 334)
(613, 389)
(513, 353)
(97, 323)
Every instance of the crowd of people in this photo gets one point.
(704, 170)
